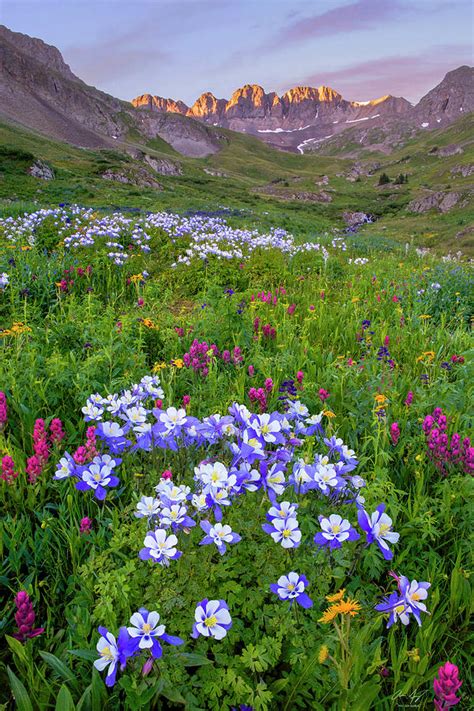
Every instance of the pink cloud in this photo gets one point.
(359, 15)
(408, 76)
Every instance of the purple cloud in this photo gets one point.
(408, 76)
(359, 15)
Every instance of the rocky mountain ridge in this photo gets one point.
(305, 115)
(38, 90)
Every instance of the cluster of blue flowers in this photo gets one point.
(408, 601)
(206, 235)
(241, 452)
(145, 635)
(262, 449)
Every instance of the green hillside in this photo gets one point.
(248, 175)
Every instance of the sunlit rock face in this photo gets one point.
(286, 121)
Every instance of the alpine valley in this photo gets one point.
(159, 151)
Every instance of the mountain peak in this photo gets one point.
(43, 53)
(451, 98)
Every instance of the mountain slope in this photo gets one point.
(305, 116)
(284, 121)
(39, 91)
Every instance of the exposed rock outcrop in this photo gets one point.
(354, 219)
(215, 173)
(41, 170)
(464, 170)
(451, 150)
(443, 202)
(140, 178)
(163, 166)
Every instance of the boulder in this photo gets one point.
(324, 180)
(41, 170)
(140, 178)
(163, 166)
(464, 170)
(450, 150)
(439, 200)
(353, 219)
(215, 173)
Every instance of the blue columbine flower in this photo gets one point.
(335, 530)
(148, 507)
(212, 619)
(112, 653)
(98, 476)
(160, 548)
(145, 633)
(218, 534)
(282, 510)
(413, 593)
(405, 603)
(66, 467)
(113, 434)
(378, 528)
(176, 517)
(292, 587)
(284, 531)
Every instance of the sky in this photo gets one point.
(181, 48)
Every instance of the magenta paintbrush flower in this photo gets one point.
(446, 687)
(25, 618)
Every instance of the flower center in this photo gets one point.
(107, 653)
(146, 628)
(210, 621)
(286, 533)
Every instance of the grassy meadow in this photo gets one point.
(235, 461)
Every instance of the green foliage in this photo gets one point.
(384, 179)
(95, 337)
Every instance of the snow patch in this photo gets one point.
(312, 140)
(282, 130)
(366, 118)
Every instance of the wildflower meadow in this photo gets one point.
(236, 467)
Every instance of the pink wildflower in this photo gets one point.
(25, 618)
(85, 526)
(446, 687)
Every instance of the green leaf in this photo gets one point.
(98, 691)
(61, 669)
(17, 648)
(87, 654)
(85, 702)
(193, 660)
(173, 695)
(20, 694)
(64, 701)
(364, 696)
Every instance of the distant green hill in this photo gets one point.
(299, 192)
